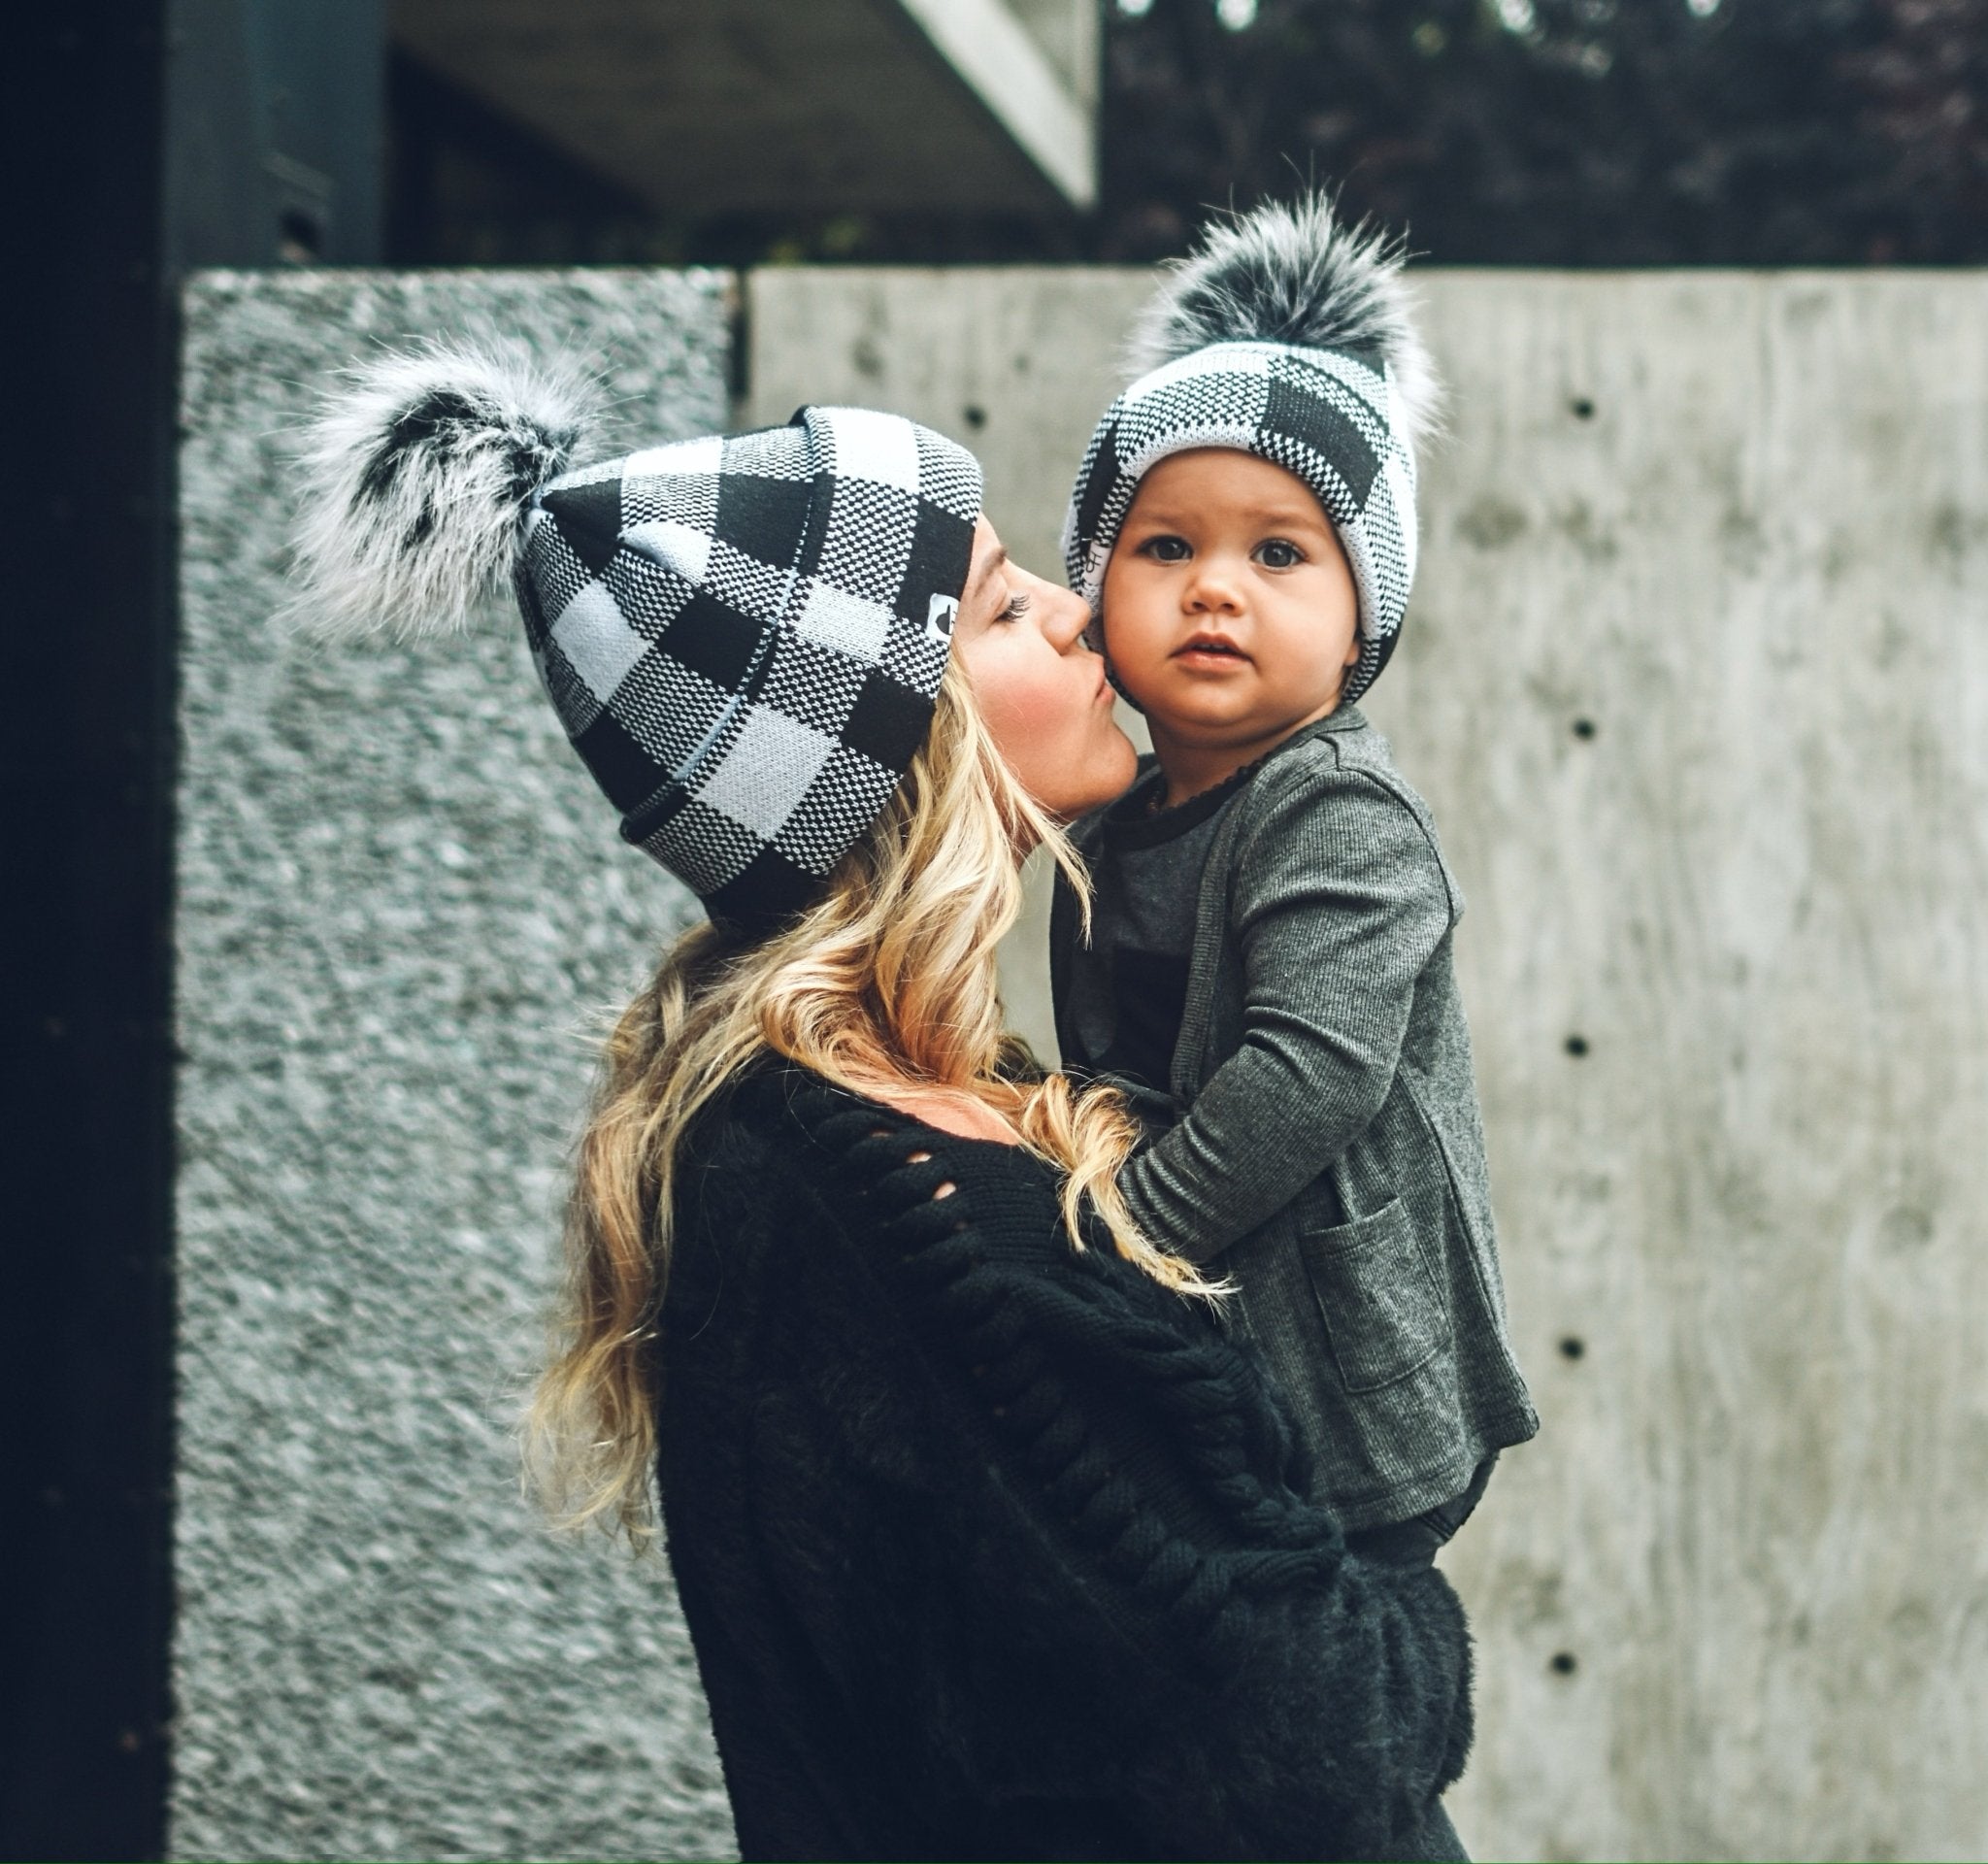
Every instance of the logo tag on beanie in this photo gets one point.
(944, 613)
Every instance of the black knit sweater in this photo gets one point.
(988, 1546)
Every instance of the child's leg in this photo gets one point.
(1416, 1541)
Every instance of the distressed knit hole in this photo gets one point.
(945, 1190)
(917, 1158)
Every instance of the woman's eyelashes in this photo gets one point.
(1016, 606)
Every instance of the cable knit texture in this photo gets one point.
(992, 1547)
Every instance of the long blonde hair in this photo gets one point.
(888, 983)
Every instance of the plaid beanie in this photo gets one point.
(743, 635)
(1289, 336)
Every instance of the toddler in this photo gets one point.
(1268, 973)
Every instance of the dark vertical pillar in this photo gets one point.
(147, 136)
(276, 132)
(84, 974)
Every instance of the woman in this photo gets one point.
(988, 1537)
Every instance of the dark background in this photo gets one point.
(149, 136)
(1603, 132)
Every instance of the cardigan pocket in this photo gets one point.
(1384, 1315)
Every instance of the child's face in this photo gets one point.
(1228, 613)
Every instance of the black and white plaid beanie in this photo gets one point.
(1290, 336)
(743, 634)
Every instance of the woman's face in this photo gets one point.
(1041, 692)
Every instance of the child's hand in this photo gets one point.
(1155, 1112)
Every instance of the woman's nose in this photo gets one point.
(1066, 618)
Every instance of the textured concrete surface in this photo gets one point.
(400, 902)
(1695, 681)
(1697, 684)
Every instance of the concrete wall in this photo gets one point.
(1697, 683)
(1696, 680)
(400, 900)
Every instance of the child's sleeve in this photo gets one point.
(1338, 903)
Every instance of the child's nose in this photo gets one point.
(1213, 588)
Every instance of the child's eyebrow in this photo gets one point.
(1291, 516)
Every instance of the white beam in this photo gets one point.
(1011, 74)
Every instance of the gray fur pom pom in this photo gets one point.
(1293, 272)
(417, 470)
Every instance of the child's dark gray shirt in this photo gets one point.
(1325, 1150)
(1127, 997)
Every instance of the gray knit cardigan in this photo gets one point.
(1328, 1153)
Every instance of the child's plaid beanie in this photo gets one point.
(1290, 336)
(743, 635)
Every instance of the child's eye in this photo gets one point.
(1275, 554)
(1017, 606)
(1165, 550)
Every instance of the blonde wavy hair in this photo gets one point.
(886, 983)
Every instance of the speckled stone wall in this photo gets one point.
(401, 905)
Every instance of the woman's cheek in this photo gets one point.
(1026, 708)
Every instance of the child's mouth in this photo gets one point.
(1209, 649)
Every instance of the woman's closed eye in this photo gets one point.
(1016, 606)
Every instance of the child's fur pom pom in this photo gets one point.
(417, 470)
(1292, 272)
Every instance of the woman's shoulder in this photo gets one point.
(974, 1231)
(778, 1116)
(1075, 1359)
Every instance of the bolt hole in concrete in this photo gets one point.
(1577, 1045)
(1562, 1663)
(1572, 1347)
(1581, 408)
(976, 415)
(1583, 727)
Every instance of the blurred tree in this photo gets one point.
(1562, 132)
